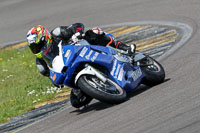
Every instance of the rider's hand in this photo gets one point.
(77, 36)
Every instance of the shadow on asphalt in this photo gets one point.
(97, 105)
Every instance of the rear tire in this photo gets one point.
(155, 73)
(108, 92)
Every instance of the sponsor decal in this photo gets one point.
(117, 71)
(68, 52)
(84, 50)
(136, 74)
(88, 56)
(114, 67)
(95, 56)
(121, 73)
(54, 77)
(67, 55)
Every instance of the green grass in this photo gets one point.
(21, 85)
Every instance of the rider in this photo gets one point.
(44, 44)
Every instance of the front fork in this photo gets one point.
(91, 71)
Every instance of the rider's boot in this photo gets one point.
(79, 99)
(130, 49)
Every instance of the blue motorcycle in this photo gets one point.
(103, 73)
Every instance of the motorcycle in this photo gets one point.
(102, 73)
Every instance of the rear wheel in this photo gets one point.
(153, 70)
(108, 91)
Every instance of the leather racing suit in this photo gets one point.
(65, 33)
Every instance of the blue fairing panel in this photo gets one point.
(126, 76)
(75, 55)
(57, 78)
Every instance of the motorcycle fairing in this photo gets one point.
(120, 71)
(125, 75)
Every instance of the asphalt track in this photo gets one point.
(171, 107)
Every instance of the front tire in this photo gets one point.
(154, 72)
(108, 92)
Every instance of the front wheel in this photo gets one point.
(153, 70)
(108, 91)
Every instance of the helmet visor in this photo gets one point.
(36, 47)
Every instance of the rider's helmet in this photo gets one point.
(37, 37)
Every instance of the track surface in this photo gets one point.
(173, 106)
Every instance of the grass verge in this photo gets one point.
(21, 85)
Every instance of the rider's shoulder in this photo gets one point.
(56, 31)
